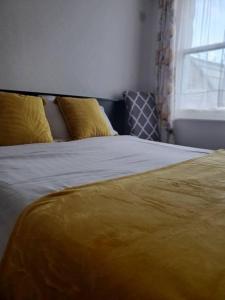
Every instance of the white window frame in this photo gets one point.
(218, 114)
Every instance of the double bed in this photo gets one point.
(28, 172)
(113, 217)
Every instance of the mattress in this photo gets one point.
(28, 172)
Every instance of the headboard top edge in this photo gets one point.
(35, 93)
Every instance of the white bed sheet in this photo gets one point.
(28, 172)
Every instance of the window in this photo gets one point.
(200, 60)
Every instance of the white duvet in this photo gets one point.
(28, 172)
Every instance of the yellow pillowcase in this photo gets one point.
(83, 117)
(22, 120)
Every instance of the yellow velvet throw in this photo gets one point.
(159, 235)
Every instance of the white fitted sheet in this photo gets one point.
(28, 172)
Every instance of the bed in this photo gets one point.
(31, 171)
(147, 221)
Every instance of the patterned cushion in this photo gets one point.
(142, 115)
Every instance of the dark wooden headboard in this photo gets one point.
(115, 109)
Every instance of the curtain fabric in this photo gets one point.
(165, 61)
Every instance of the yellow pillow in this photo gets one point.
(83, 117)
(22, 120)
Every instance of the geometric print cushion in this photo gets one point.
(142, 115)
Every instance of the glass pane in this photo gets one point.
(209, 22)
(203, 80)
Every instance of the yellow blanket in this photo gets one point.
(159, 235)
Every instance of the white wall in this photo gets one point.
(207, 134)
(84, 47)
(150, 34)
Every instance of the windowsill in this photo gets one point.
(214, 115)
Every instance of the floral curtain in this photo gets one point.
(165, 61)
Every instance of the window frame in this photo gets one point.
(181, 53)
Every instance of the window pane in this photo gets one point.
(203, 81)
(209, 22)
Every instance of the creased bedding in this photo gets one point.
(157, 235)
(31, 171)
